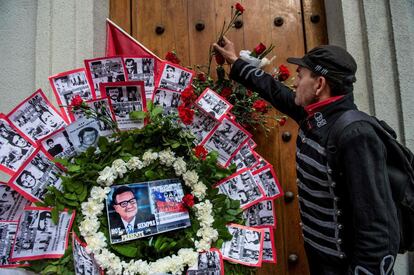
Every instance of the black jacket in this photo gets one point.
(349, 219)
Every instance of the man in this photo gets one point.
(87, 137)
(131, 67)
(127, 219)
(54, 149)
(349, 219)
(26, 180)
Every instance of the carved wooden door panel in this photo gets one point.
(190, 26)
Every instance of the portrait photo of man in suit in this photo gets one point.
(127, 221)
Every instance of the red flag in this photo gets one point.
(119, 42)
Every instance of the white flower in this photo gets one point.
(99, 194)
(95, 242)
(149, 157)
(190, 177)
(265, 61)
(89, 226)
(202, 245)
(166, 157)
(91, 208)
(135, 163)
(180, 166)
(120, 167)
(107, 176)
(199, 190)
(188, 255)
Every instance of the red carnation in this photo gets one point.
(186, 114)
(219, 58)
(260, 106)
(259, 49)
(201, 77)
(188, 200)
(200, 152)
(172, 57)
(282, 121)
(77, 101)
(188, 96)
(239, 7)
(284, 73)
(226, 92)
(249, 93)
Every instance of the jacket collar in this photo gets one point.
(312, 108)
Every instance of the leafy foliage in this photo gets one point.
(160, 134)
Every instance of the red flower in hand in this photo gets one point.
(186, 114)
(282, 121)
(188, 96)
(239, 8)
(219, 58)
(284, 73)
(200, 152)
(226, 92)
(77, 101)
(259, 49)
(260, 106)
(172, 57)
(188, 200)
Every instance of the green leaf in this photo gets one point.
(136, 115)
(219, 243)
(150, 105)
(74, 168)
(82, 196)
(129, 250)
(70, 196)
(50, 269)
(175, 145)
(55, 215)
(156, 111)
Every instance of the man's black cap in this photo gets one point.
(330, 61)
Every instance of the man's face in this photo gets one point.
(48, 119)
(28, 181)
(19, 141)
(50, 143)
(170, 73)
(126, 206)
(89, 138)
(305, 86)
(130, 66)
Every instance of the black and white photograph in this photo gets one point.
(269, 248)
(84, 262)
(35, 117)
(213, 104)
(226, 139)
(38, 237)
(7, 233)
(241, 186)
(11, 203)
(262, 163)
(126, 97)
(103, 109)
(245, 247)
(175, 77)
(35, 176)
(104, 69)
(202, 125)
(142, 69)
(84, 133)
(69, 84)
(168, 100)
(58, 144)
(208, 263)
(260, 214)
(14, 149)
(142, 209)
(245, 157)
(266, 178)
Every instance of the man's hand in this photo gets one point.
(226, 50)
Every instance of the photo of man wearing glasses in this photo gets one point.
(127, 221)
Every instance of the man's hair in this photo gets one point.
(49, 141)
(84, 130)
(120, 190)
(42, 217)
(130, 60)
(19, 180)
(336, 88)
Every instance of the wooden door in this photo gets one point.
(294, 26)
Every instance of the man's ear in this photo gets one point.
(322, 87)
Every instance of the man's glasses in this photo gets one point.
(124, 204)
